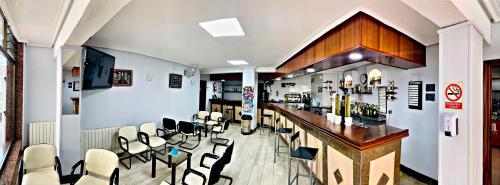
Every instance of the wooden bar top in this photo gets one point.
(360, 138)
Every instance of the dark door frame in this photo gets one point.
(487, 105)
(203, 95)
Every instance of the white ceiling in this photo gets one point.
(35, 22)
(168, 29)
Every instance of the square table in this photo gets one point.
(171, 161)
(199, 126)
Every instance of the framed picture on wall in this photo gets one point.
(76, 86)
(122, 78)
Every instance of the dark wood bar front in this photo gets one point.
(348, 154)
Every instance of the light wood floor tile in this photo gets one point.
(252, 163)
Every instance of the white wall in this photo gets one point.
(145, 101)
(420, 150)
(39, 86)
(68, 93)
(302, 84)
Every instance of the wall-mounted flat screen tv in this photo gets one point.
(98, 69)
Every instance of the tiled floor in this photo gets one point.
(252, 164)
(495, 166)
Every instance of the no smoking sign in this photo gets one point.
(453, 93)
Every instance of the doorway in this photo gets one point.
(491, 133)
(203, 95)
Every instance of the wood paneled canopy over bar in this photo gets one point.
(362, 34)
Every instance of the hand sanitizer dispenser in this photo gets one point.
(451, 124)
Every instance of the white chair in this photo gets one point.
(102, 165)
(219, 129)
(201, 117)
(216, 118)
(150, 135)
(40, 164)
(129, 143)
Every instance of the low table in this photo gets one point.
(200, 127)
(171, 161)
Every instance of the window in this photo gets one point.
(8, 51)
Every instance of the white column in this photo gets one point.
(460, 60)
(250, 79)
(58, 107)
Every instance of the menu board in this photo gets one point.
(382, 99)
(415, 95)
(175, 81)
(293, 98)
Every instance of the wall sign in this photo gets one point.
(453, 93)
(382, 99)
(430, 87)
(175, 81)
(415, 95)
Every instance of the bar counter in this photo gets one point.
(347, 154)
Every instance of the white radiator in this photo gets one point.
(103, 138)
(41, 133)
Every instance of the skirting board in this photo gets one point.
(421, 177)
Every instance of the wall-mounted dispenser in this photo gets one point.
(451, 124)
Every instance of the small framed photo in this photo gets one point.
(122, 77)
(76, 86)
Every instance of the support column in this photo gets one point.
(461, 61)
(250, 80)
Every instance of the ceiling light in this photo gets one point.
(355, 56)
(237, 62)
(310, 70)
(223, 27)
(290, 76)
(279, 78)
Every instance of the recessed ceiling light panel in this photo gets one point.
(310, 70)
(355, 56)
(290, 76)
(229, 27)
(237, 62)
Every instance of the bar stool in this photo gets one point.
(306, 154)
(277, 132)
(262, 126)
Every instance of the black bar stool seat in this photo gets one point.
(302, 153)
(284, 130)
(305, 153)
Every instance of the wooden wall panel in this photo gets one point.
(319, 51)
(309, 56)
(349, 34)
(361, 30)
(389, 41)
(302, 58)
(369, 33)
(410, 50)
